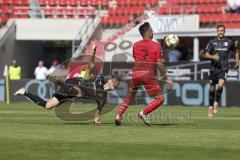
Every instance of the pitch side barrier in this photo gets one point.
(183, 70)
(191, 93)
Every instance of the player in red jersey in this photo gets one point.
(148, 58)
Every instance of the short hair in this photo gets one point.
(220, 25)
(143, 28)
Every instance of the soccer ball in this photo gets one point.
(172, 41)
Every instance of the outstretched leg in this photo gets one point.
(53, 102)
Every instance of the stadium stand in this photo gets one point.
(51, 8)
(123, 11)
(210, 11)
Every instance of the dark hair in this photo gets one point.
(220, 25)
(143, 28)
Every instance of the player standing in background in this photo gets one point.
(218, 50)
(148, 58)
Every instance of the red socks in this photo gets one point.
(124, 105)
(153, 105)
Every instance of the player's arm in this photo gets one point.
(93, 69)
(161, 67)
(237, 58)
(209, 50)
(207, 55)
(163, 72)
(93, 51)
(235, 49)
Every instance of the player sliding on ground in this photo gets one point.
(148, 58)
(91, 86)
(218, 50)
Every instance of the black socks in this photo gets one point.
(36, 99)
(211, 97)
(218, 94)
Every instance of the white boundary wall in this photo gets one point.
(48, 29)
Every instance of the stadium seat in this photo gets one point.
(6, 9)
(83, 3)
(51, 3)
(20, 12)
(49, 11)
(6, 2)
(63, 3)
(73, 3)
(115, 21)
(42, 2)
(17, 2)
(105, 3)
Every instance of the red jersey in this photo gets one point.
(146, 53)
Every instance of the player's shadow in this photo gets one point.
(63, 112)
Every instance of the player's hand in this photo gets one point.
(109, 85)
(215, 58)
(94, 45)
(170, 82)
(112, 83)
(236, 65)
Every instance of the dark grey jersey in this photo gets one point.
(222, 48)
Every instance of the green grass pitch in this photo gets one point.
(30, 132)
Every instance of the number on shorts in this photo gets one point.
(225, 75)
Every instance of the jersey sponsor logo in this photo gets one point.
(221, 49)
(225, 44)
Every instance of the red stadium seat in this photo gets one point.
(73, 3)
(42, 2)
(7, 9)
(6, 2)
(105, 3)
(49, 11)
(188, 10)
(4, 19)
(204, 18)
(176, 10)
(164, 10)
(51, 2)
(17, 2)
(25, 2)
(20, 11)
(63, 3)
(95, 3)
(84, 3)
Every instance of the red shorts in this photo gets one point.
(148, 80)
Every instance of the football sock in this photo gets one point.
(36, 99)
(153, 105)
(211, 97)
(124, 105)
(218, 94)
